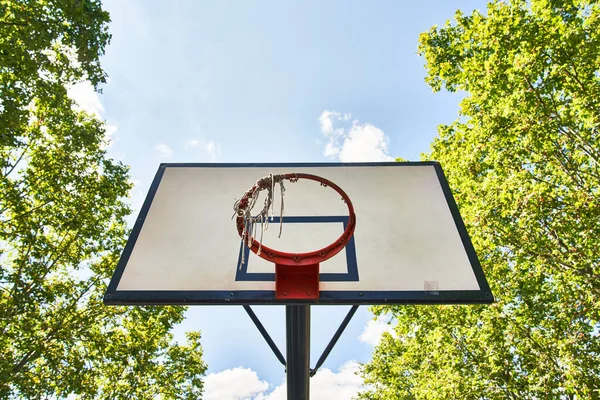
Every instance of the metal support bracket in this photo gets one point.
(265, 335)
(334, 340)
(298, 324)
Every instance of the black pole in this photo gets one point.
(297, 320)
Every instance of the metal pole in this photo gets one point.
(297, 320)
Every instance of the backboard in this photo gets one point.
(409, 244)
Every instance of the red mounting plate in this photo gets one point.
(296, 282)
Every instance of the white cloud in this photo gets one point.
(344, 384)
(86, 99)
(331, 150)
(326, 119)
(359, 142)
(233, 384)
(163, 150)
(326, 385)
(243, 383)
(374, 330)
(365, 142)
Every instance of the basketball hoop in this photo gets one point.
(296, 274)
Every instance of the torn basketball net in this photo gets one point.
(243, 208)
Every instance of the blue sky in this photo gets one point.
(270, 81)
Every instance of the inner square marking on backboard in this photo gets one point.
(351, 274)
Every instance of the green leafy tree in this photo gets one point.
(62, 226)
(523, 161)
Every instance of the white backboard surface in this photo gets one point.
(409, 245)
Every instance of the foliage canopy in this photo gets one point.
(523, 161)
(62, 226)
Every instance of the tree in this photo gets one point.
(62, 225)
(523, 161)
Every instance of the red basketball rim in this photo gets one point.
(300, 259)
